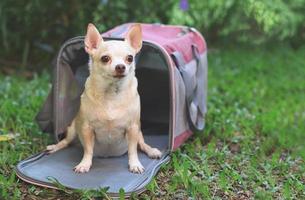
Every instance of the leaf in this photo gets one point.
(7, 137)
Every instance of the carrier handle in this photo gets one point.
(196, 122)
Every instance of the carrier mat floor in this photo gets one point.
(42, 169)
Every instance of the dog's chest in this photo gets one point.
(110, 126)
(111, 118)
(110, 121)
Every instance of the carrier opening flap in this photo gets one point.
(111, 173)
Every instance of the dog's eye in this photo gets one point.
(105, 59)
(129, 58)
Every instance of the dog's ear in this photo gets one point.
(134, 37)
(93, 39)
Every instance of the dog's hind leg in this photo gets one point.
(64, 142)
(151, 152)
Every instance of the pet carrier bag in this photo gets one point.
(171, 69)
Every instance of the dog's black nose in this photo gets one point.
(120, 68)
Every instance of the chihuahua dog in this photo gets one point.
(108, 122)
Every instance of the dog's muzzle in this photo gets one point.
(120, 70)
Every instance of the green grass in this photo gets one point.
(252, 146)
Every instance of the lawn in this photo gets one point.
(252, 146)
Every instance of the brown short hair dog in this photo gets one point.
(108, 122)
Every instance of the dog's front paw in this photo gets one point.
(136, 167)
(82, 167)
(154, 153)
(52, 148)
